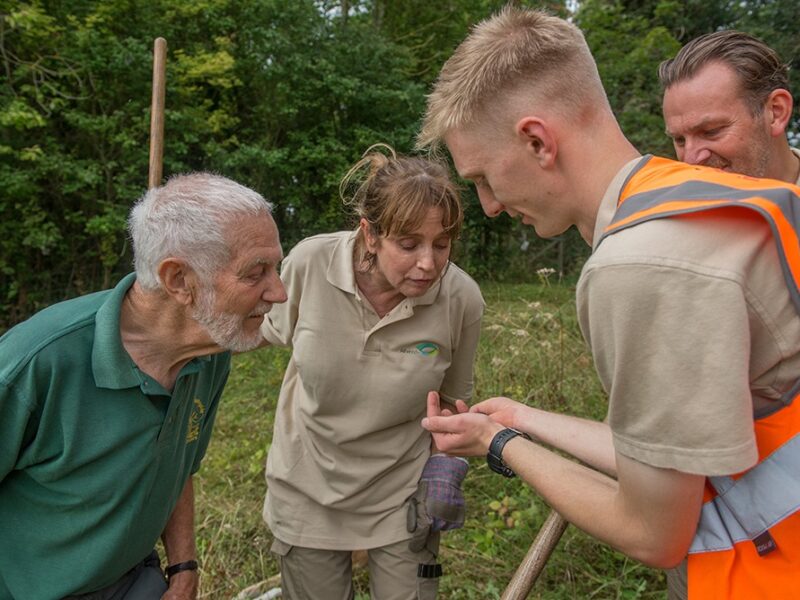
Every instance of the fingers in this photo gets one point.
(443, 424)
(462, 406)
(485, 408)
(433, 404)
(492, 405)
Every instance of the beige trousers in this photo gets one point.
(312, 574)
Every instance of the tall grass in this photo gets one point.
(531, 350)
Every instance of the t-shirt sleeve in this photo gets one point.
(672, 349)
(459, 378)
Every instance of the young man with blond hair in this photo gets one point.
(684, 303)
(727, 105)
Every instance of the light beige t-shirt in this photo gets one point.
(692, 329)
(348, 448)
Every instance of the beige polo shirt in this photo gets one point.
(692, 329)
(348, 448)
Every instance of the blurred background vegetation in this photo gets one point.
(281, 95)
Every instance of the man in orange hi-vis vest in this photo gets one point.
(689, 303)
(727, 105)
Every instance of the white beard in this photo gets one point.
(226, 329)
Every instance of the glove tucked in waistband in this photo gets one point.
(438, 503)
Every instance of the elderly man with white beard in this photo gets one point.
(107, 401)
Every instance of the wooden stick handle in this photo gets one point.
(531, 566)
(157, 112)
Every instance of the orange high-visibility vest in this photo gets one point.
(747, 543)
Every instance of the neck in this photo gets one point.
(604, 149)
(786, 164)
(160, 335)
(377, 291)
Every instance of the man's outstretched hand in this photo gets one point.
(463, 434)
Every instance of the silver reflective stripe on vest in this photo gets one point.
(749, 506)
(702, 191)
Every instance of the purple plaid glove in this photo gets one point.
(438, 504)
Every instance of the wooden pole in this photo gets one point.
(157, 112)
(531, 566)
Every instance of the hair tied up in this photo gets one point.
(355, 184)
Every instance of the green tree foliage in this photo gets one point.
(282, 95)
(630, 38)
(628, 47)
(272, 93)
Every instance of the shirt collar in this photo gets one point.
(342, 275)
(608, 205)
(340, 268)
(112, 366)
(796, 152)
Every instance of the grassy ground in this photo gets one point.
(530, 350)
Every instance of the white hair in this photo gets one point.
(188, 218)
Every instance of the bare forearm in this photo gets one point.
(649, 515)
(588, 441)
(179, 543)
(648, 512)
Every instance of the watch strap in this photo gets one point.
(495, 455)
(189, 565)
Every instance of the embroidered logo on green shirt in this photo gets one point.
(195, 419)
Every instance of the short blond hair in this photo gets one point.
(514, 49)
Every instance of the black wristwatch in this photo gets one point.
(495, 455)
(189, 565)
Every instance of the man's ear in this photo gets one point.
(778, 110)
(179, 280)
(539, 139)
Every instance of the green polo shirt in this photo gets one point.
(94, 453)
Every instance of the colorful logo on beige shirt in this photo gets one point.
(428, 349)
(422, 349)
(195, 420)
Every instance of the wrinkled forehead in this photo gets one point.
(254, 238)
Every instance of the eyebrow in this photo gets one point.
(706, 123)
(255, 263)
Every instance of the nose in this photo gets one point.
(425, 261)
(491, 207)
(693, 152)
(275, 291)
